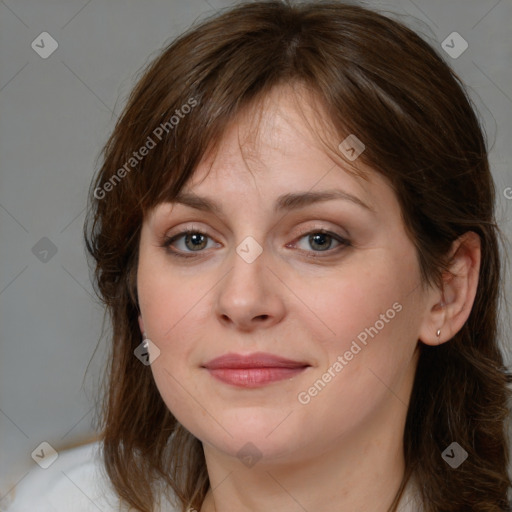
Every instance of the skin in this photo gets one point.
(344, 446)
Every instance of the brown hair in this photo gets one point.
(381, 81)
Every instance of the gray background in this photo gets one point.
(56, 114)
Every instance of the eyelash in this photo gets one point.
(168, 241)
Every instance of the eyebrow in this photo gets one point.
(285, 202)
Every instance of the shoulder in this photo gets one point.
(75, 481)
(410, 500)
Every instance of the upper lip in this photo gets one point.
(254, 360)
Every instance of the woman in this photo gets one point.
(308, 245)
(293, 232)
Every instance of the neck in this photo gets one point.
(362, 471)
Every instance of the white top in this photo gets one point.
(77, 482)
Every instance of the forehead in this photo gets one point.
(281, 145)
(287, 129)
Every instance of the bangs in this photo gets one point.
(195, 149)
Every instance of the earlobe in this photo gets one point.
(451, 306)
(141, 325)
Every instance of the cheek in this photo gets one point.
(367, 358)
(370, 320)
(173, 309)
(170, 322)
(166, 301)
(355, 301)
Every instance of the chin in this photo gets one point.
(267, 438)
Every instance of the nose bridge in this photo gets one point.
(244, 285)
(248, 294)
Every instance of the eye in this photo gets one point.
(321, 240)
(188, 241)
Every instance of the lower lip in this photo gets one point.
(254, 377)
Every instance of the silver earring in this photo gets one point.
(438, 332)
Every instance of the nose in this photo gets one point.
(250, 296)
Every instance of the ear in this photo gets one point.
(449, 307)
(141, 325)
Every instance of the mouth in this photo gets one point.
(253, 370)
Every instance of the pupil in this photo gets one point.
(197, 243)
(319, 238)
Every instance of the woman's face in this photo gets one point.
(331, 286)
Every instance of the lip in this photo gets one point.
(253, 370)
(254, 360)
